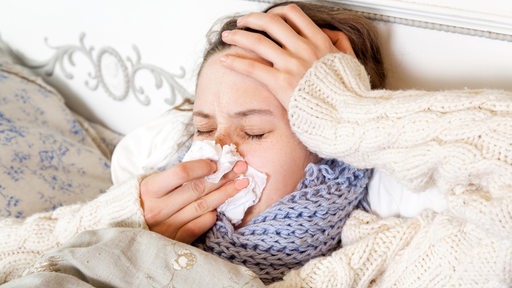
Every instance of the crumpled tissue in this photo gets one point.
(226, 156)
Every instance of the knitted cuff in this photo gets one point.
(118, 207)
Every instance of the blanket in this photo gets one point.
(131, 257)
(128, 257)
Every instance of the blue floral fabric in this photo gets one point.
(46, 158)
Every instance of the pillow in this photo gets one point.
(46, 158)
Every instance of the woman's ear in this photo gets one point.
(340, 41)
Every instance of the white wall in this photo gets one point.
(429, 59)
(171, 34)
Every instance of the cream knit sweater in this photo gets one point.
(460, 141)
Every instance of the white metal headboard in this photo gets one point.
(491, 19)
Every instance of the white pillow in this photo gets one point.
(388, 198)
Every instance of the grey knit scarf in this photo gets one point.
(303, 225)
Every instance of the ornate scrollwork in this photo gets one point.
(129, 71)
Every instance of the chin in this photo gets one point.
(251, 212)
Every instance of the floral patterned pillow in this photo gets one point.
(46, 158)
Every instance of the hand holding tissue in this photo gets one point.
(226, 156)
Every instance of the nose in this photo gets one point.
(224, 138)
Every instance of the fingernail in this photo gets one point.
(240, 167)
(241, 183)
(223, 58)
(225, 34)
(239, 21)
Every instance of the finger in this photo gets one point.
(161, 183)
(270, 77)
(254, 69)
(209, 202)
(275, 27)
(197, 227)
(175, 201)
(201, 206)
(318, 43)
(340, 41)
(299, 21)
(256, 43)
(201, 187)
(239, 168)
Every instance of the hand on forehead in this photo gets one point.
(300, 43)
(244, 54)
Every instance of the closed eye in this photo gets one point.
(204, 132)
(255, 136)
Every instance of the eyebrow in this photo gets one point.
(239, 114)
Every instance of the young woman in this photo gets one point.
(457, 141)
(303, 206)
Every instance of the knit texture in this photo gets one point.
(303, 225)
(407, 134)
(422, 138)
(458, 141)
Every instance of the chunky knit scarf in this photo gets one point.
(303, 225)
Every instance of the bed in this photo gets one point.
(77, 76)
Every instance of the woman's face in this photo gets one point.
(231, 108)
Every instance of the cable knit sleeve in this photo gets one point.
(422, 138)
(459, 141)
(21, 242)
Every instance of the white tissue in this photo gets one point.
(234, 208)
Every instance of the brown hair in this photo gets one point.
(359, 30)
